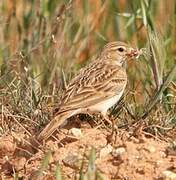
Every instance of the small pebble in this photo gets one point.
(169, 175)
(76, 132)
(151, 149)
(105, 151)
(118, 151)
(72, 160)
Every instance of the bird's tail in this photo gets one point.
(54, 124)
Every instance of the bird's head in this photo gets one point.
(119, 52)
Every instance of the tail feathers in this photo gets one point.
(53, 125)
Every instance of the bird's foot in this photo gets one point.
(111, 138)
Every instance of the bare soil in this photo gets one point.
(125, 157)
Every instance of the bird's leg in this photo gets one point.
(106, 118)
(114, 128)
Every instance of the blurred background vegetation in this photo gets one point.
(44, 43)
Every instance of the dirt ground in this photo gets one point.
(125, 157)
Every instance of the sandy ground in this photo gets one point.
(125, 157)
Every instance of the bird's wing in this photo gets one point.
(92, 85)
(95, 83)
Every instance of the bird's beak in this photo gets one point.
(134, 53)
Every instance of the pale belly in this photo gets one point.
(105, 105)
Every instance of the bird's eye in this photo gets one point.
(120, 49)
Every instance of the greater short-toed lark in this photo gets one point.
(97, 87)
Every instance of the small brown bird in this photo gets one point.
(97, 87)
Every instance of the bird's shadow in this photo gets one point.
(77, 121)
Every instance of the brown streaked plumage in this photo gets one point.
(96, 87)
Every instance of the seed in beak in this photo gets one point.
(135, 53)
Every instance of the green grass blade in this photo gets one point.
(44, 165)
(157, 96)
(58, 172)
